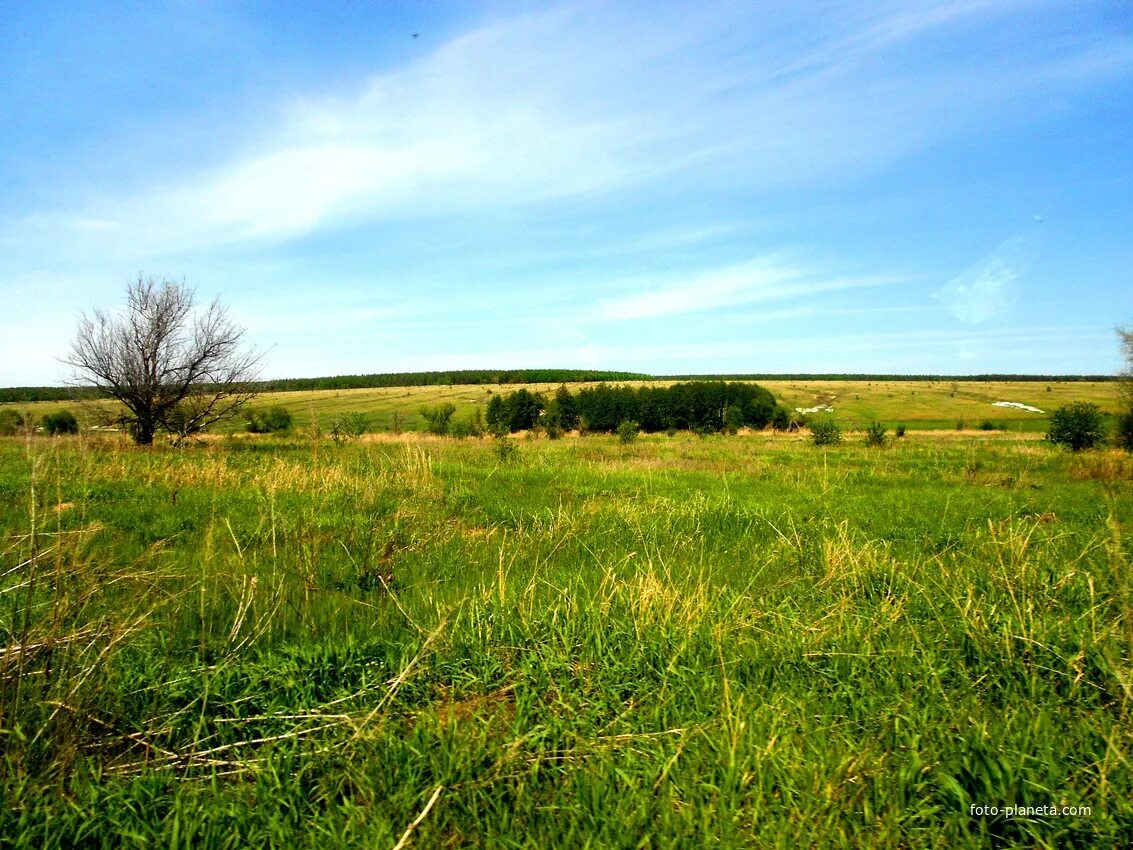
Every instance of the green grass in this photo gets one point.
(683, 642)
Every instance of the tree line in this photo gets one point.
(704, 406)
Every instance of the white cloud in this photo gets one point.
(757, 280)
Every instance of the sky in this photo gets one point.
(671, 188)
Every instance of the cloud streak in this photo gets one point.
(754, 281)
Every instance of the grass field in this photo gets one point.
(682, 642)
(936, 405)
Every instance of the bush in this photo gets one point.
(899, 430)
(269, 421)
(875, 434)
(781, 419)
(11, 421)
(437, 418)
(505, 448)
(1123, 436)
(733, 418)
(1077, 426)
(627, 431)
(61, 422)
(825, 432)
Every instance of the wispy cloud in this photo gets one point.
(757, 280)
(989, 288)
(566, 103)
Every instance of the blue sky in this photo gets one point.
(903, 187)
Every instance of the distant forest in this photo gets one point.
(525, 376)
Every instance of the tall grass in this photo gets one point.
(681, 642)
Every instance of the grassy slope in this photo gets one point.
(918, 404)
(683, 642)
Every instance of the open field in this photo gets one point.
(682, 642)
(918, 404)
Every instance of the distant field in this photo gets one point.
(918, 404)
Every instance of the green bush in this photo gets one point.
(505, 448)
(61, 422)
(11, 421)
(875, 434)
(825, 432)
(899, 430)
(781, 419)
(437, 418)
(1123, 436)
(1077, 426)
(627, 431)
(270, 421)
(733, 418)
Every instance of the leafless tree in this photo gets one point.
(1125, 417)
(173, 369)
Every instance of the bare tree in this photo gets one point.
(172, 369)
(1125, 417)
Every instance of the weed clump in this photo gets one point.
(875, 434)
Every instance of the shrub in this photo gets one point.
(505, 448)
(961, 424)
(11, 421)
(781, 419)
(825, 432)
(1123, 436)
(437, 418)
(733, 418)
(899, 430)
(61, 422)
(269, 421)
(627, 431)
(875, 434)
(1077, 426)
(353, 424)
(988, 425)
(471, 427)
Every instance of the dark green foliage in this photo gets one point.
(11, 422)
(521, 410)
(900, 430)
(437, 418)
(274, 420)
(733, 418)
(781, 418)
(430, 379)
(825, 432)
(1077, 426)
(875, 434)
(697, 406)
(61, 422)
(567, 406)
(988, 425)
(1123, 434)
(494, 415)
(628, 431)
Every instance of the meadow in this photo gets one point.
(920, 405)
(683, 641)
